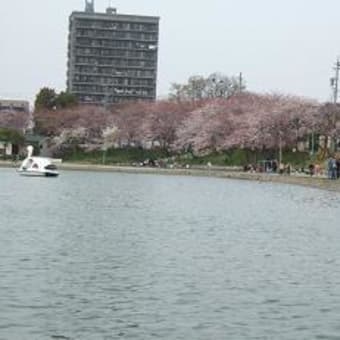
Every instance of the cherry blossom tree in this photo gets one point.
(53, 122)
(247, 120)
(15, 120)
(165, 117)
(243, 120)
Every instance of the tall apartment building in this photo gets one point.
(112, 57)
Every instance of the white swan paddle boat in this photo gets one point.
(37, 166)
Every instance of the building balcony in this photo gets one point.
(121, 95)
(118, 38)
(112, 29)
(131, 45)
(121, 67)
(124, 54)
(118, 76)
(105, 86)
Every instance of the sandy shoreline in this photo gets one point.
(218, 172)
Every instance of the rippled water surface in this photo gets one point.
(114, 256)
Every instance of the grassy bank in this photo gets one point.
(114, 156)
(128, 156)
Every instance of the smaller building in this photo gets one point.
(7, 149)
(14, 106)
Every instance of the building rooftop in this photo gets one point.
(118, 17)
(110, 13)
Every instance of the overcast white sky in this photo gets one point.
(279, 45)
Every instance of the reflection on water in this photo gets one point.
(114, 256)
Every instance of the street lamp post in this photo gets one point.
(280, 147)
(313, 145)
(104, 149)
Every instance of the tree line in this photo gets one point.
(244, 120)
(206, 114)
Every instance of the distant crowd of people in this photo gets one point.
(331, 168)
(269, 166)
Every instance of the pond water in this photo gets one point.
(119, 256)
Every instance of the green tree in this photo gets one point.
(65, 99)
(45, 99)
(48, 99)
(11, 136)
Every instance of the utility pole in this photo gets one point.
(335, 87)
(241, 81)
(335, 81)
